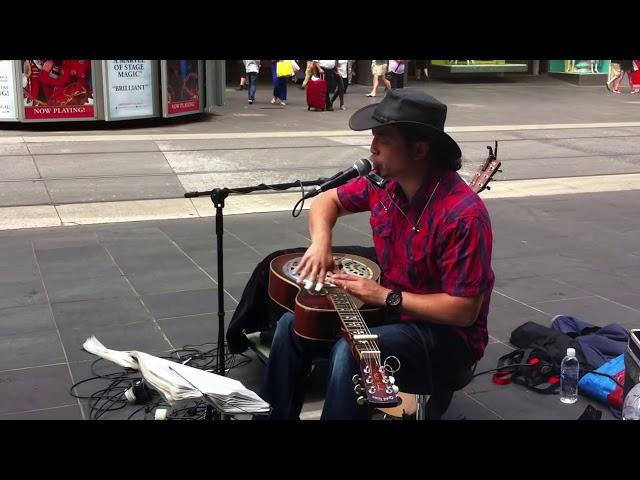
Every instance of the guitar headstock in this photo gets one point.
(487, 170)
(374, 386)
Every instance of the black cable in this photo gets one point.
(301, 202)
(506, 367)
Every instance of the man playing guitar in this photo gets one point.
(433, 240)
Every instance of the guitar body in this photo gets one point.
(316, 317)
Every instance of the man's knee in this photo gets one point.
(341, 354)
(284, 328)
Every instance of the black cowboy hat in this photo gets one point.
(411, 106)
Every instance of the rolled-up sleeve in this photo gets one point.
(354, 195)
(465, 262)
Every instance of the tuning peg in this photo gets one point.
(358, 389)
(360, 400)
(488, 187)
(356, 380)
(395, 389)
(392, 379)
(499, 171)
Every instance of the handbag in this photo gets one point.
(389, 75)
(284, 68)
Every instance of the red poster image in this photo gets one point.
(635, 77)
(183, 92)
(57, 89)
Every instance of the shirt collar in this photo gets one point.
(421, 197)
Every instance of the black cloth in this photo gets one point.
(420, 64)
(397, 80)
(626, 65)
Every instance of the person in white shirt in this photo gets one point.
(341, 82)
(252, 67)
(396, 69)
(327, 68)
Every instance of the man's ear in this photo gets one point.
(421, 149)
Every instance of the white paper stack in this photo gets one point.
(177, 382)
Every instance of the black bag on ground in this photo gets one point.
(536, 363)
(552, 342)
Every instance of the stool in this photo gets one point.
(433, 406)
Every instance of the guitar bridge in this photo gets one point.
(372, 354)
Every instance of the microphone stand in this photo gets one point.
(218, 196)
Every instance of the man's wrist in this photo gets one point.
(393, 304)
(385, 293)
(321, 241)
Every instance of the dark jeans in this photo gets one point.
(397, 80)
(330, 77)
(252, 81)
(291, 356)
(340, 90)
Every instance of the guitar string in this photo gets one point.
(362, 326)
(371, 344)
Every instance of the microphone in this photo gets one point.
(359, 169)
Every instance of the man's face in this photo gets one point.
(392, 155)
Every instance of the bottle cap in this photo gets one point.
(571, 352)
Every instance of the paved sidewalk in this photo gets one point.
(152, 286)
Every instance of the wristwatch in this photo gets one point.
(394, 303)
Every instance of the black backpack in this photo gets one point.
(536, 363)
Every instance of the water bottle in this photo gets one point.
(569, 377)
(631, 407)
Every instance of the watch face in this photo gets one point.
(394, 299)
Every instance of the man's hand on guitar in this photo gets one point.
(315, 264)
(369, 291)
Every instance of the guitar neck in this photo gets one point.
(376, 385)
(364, 343)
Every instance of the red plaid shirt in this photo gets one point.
(450, 253)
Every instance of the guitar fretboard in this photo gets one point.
(358, 333)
